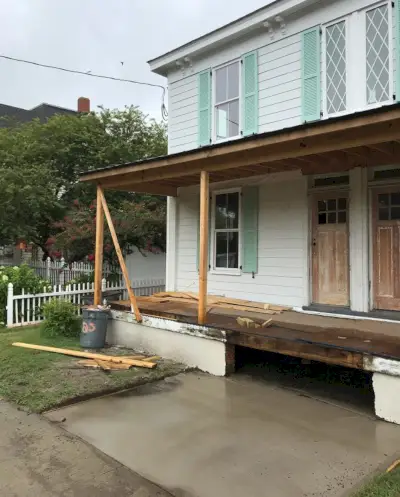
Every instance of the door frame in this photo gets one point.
(375, 190)
(326, 195)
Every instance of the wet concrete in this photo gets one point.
(198, 435)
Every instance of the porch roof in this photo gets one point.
(367, 138)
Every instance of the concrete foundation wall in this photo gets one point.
(204, 353)
(387, 395)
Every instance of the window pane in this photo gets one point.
(336, 67)
(322, 218)
(395, 198)
(342, 203)
(233, 250)
(383, 199)
(220, 85)
(221, 250)
(332, 204)
(342, 217)
(220, 211)
(233, 210)
(233, 80)
(234, 118)
(321, 205)
(222, 121)
(395, 214)
(377, 46)
(332, 218)
(384, 214)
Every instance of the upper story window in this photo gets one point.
(226, 104)
(336, 71)
(377, 55)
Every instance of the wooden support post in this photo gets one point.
(98, 261)
(203, 253)
(132, 298)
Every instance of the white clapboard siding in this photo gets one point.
(183, 115)
(282, 249)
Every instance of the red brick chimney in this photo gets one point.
(83, 104)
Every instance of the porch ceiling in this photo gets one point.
(363, 139)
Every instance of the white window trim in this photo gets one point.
(364, 54)
(219, 270)
(214, 93)
(324, 72)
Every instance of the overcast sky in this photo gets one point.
(96, 35)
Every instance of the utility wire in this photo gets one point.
(164, 111)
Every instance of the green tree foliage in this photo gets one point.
(40, 166)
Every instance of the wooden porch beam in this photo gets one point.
(151, 188)
(388, 120)
(292, 150)
(98, 261)
(132, 298)
(203, 255)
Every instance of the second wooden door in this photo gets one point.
(330, 250)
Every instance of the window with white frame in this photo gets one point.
(226, 224)
(377, 54)
(226, 105)
(335, 57)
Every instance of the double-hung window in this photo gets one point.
(226, 236)
(227, 101)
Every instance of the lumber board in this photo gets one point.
(314, 352)
(203, 249)
(108, 366)
(88, 355)
(98, 261)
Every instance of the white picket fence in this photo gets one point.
(25, 309)
(60, 272)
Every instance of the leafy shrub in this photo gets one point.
(60, 319)
(22, 277)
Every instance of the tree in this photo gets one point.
(40, 166)
(139, 224)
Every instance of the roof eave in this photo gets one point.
(160, 65)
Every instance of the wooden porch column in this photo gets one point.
(203, 252)
(98, 261)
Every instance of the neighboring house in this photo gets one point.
(290, 237)
(11, 116)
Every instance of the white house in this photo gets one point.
(290, 237)
(283, 185)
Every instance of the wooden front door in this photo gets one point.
(330, 249)
(386, 259)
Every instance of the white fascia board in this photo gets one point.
(222, 35)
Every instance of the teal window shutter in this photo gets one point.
(204, 96)
(397, 36)
(250, 93)
(250, 229)
(311, 74)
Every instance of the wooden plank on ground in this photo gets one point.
(88, 355)
(90, 363)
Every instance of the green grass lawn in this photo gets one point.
(39, 381)
(386, 485)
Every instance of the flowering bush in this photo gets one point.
(22, 277)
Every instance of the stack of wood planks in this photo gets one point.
(215, 302)
(103, 361)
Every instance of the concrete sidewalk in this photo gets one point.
(38, 459)
(202, 436)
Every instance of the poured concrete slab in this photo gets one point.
(198, 435)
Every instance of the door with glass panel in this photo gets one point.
(330, 249)
(386, 259)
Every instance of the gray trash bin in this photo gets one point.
(94, 328)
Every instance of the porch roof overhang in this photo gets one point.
(367, 138)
